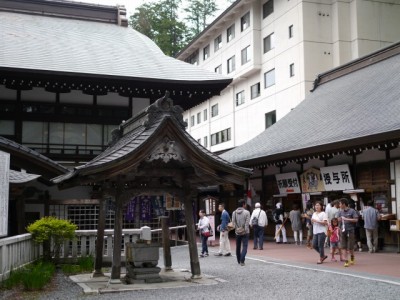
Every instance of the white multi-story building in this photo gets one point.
(274, 49)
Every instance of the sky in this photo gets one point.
(132, 4)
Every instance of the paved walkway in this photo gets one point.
(386, 262)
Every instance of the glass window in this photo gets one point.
(255, 90)
(6, 127)
(291, 70)
(218, 69)
(199, 141)
(34, 132)
(193, 58)
(230, 33)
(217, 43)
(269, 78)
(94, 133)
(245, 22)
(186, 122)
(214, 110)
(192, 121)
(240, 98)
(205, 115)
(75, 134)
(290, 31)
(246, 55)
(269, 42)
(270, 119)
(206, 52)
(268, 8)
(56, 135)
(198, 118)
(221, 137)
(231, 64)
(205, 142)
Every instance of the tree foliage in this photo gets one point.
(159, 21)
(199, 11)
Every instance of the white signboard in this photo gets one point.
(288, 183)
(4, 188)
(337, 178)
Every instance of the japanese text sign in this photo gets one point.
(288, 183)
(337, 178)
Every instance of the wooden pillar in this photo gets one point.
(21, 214)
(191, 234)
(101, 224)
(166, 244)
(116, 261)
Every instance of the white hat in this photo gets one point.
(278, 205)
(257, 204)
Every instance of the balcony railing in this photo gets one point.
(20, 250)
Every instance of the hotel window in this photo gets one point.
(269, 43)
(218, 69)
(193, 58)
(217, 43)
(245, 22)
(290, 31)
(205, 142)
(214, 110)
(269, 78)
(291, 70)
(246, 55)
(192, 121)
(198, 118)
(205, 115)
(231, 64)
(221, 137)
(199, 141)
(255, 90)
(206, 52)
(230, 33)
(270, 119)
(186, 122)
(268, 8)
(240, 98)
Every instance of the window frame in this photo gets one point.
(230, 29)
(192, 121)
(291, 70)
(218, 43)
(230, 67)
(218, 68)
(206, 52)
(271, 114)
(240, 98)
(266, 85)
(245, 21)
(246, 51)
(198, 118)
(271, 38)
(268, 8)
(214, 110)
(290, 31)
(258, 85)
(205, 114)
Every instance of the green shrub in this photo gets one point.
(38, 276)
(14, 279)
(86, 263)
(70, 269)
(51, 231)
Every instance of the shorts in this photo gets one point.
(347, 239)
(334, 245)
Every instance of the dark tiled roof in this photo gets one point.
(138, 133)
(35, 42)
(21, 177)
(28, 157)
(363, 105)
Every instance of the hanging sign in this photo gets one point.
(4, 190)
(145, 208)
(337, 178)
(172, 202)
(288, 183)
(158, 205)
(311, 181)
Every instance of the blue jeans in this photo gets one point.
(318, 243)
(258, 236)
(241, 251)
(204, 247)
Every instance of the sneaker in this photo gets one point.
(242, 264)
(218, 254)
(346, 264)
(206, 254)
(228, 254)
(201, 255)
(352, 261)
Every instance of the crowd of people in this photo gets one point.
(336, 226)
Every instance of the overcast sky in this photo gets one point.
(132, 4)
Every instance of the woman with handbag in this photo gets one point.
(204, 229)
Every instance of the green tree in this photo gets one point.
(159, 21)
(52, 232)
(199, 11)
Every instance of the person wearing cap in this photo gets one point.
(258, 221)
(279, 224)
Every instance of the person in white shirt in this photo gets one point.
(319, 220)
(258, 221)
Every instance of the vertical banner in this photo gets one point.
(337, 178)
(4, 191)
(130, 210)
(145, 208)
(158, 205)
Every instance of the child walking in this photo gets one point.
(334, 237)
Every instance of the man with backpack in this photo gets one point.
(258, 221)
(279, 224)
